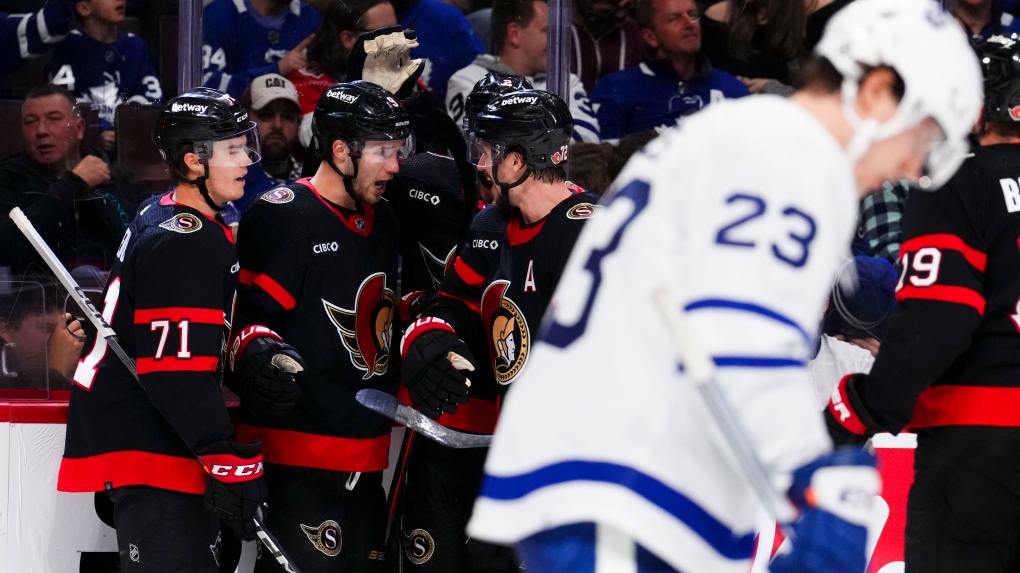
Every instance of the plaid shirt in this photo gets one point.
(881, 220)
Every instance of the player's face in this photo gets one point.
(51, 130)
(534, 39)
(278, 124)
(379, 163)
(899, 157)
(227, 168)
(677, 29)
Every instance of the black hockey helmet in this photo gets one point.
(203, 117)
(1000, 65)
(358, 112)
(533, 122)
(493, 84)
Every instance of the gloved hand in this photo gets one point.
(235, 489)
(433, 360)
(847, 417)
(835, 494)
(263, 369)
(381, 57)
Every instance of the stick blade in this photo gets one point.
(388, 406)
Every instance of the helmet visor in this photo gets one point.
(483, 152)
(381, 151)
(241, 150)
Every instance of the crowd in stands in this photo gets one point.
(71, 69)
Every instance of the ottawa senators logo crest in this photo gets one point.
(437, 267)
(367, 329)
(278, 195)
(509, 337)
(182, 223)
(325, 537)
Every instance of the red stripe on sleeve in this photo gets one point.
(945, 241)
(179, 313)
(467, 274)
(272, 288)
(173, 364)
(470, 303)
(955, 294)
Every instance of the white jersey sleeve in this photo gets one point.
(457, 89)
(743, 213)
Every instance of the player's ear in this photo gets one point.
(192, 164)
(876, 97)
(339, 149)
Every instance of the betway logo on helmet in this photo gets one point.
(344, 97)
(514, 100)
(192, 107)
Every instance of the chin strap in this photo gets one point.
(505, 187)
(200, 183)
(348, 179)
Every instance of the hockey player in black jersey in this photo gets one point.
(169, 299)
(492, 299)
(319, 266)
(949, 366)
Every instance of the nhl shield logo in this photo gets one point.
(133, 553)
(509, 337)
(326, 537)
(278, 196)
(419, 546)
(367, 329)
(182, 223)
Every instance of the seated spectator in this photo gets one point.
(677, 80)
(520, 40)
(245, 39)
(983, 18)
(39, 344)
(24, 37)
(65, 191)
(882, 221)
(104, 67)
(589, 166)
(606, 39)
(344, 22)
(272, 103)
(763, 42)
(627, 146)
(446, 39)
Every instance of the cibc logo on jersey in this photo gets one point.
(509, 338)
(367, 329)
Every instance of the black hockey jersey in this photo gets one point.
(322, 277)
(497, 293)
(428, 201)
(951, 355)
(167, 299)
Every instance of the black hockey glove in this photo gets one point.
(381, 57)
(432, 367)
(235, 489)
(263, 369)
(847, 417)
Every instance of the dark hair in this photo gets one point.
(553, 174)
(326, 49)
(589, 165)
(28, 298)
(628, 145)
(644, 13)
(784, 29)
(48, 89)
(506, 12)
(819, 75)
(180, 167)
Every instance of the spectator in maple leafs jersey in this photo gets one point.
(490, 304)
(245, 39)
(949, 366)
(162, 444)
(104, 67)
(24, 37)
(319, 265)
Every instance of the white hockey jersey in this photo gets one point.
(744, 212)
(586, 127)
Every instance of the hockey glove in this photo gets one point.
(848, 419)
(263, 370)
(381, 57)
(412, 304)
(433, 360)
(835, 494)
(235, 489)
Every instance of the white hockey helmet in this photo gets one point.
(932, 55)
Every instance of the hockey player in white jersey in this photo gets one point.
(605, 457)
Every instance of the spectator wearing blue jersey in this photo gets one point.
(677, 81)
(984, 18)
(245, 39)
(24, 37)
(446, 39)
(104, 67)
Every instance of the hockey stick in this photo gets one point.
(698, 366)
(103, 329)
(387, 405)
(397, 487)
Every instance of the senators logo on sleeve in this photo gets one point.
(182, 223)
(509, 338)
(367, 329)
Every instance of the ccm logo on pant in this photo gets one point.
(247, 470)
